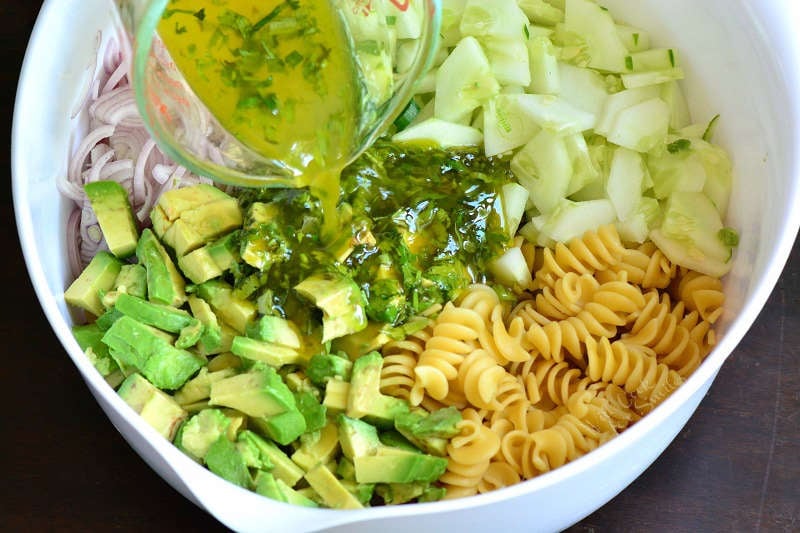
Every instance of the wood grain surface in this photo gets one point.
(735, 466)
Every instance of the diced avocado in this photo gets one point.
(132, 279)
(159, 316)
(234, 311)
(324, 367)
(317, 447)
(258, 393)
(276, 330)
(432, 494)
(224, 459)
(198, 266)
(223, 361)
(211, 338)
(298, 382)
(165, 285)
(397, 493)
(201, 225)
(395, 439)
(134, 344)
(114, 214)
(365, 399)
(225, 250)
(429, 432)
(272, 487)
(238, 422)
(173, 203)
(314, 414)
(367, 340)
(156, 407)
(330, 489)
(251, 453)
(283, 468)
(362, 491)
(267, 352)
(90, 339)
(341, 301)
(200, 431)
(345, 469)
(357, 438)
(336, 394)
(283, 428)
(398, 466)
(199, 387)
(99, 275)
(107, 319)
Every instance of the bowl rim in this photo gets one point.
(703, 375)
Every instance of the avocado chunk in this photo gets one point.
(397, 493)
(198, 266)
(132, 279)
(199, 432)
(110, 204)
(362, 491)
(224, 459)
(159, 316)
(210, 340)
(365, 399)
(173, 203)
(341, 301)
(357, 438)
(257, 393)
(267, 352)
(261, 394)
(336, 393)
(432, 493)
(313, 412)
(283, 428)
(324, 367)
(393, 465)
(203, 224)
(107, 319)
(330, 489)
(429, 432)
(90, 337)
(276, 330)
(283, 468)
(199, 387)
(137, 345)
(165, 285)
(318, 447)
(272, 487)
(362, 342)
(236, 312)
(225, 250)
(156, 407)
(98, 276)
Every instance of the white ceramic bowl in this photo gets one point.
(743, 60)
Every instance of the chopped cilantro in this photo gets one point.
(679, 146)
(729, 237)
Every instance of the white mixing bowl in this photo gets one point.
(743, 61)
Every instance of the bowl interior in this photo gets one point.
(741, 59)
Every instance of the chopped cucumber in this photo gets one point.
(594, 23)
(624, 186)
(544, 167)
(543, 60)
(497, 19)
(582, 87)
(541, 12)
(634, 39)
(440, 132)
(463, 82)
(573, 219)
(641, 127)
(505, 125)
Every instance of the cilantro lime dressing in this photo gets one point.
(419, 224)
(279, 75)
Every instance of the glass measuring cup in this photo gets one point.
(186, 130)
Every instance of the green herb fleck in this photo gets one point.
(712, 126)
(293, 59)
(200, 15)
(671, 57)
(636, 39)
(526, 31)
(679, 146)
(629, 62)
(728, 237)
(179, 28)
(391, 20)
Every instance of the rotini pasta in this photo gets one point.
(607, 334)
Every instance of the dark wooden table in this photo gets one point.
(63, 467)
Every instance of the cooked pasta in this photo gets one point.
(606, 336)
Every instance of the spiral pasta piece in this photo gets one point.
(645, 266)
(499, 474)
(399, 360)
(566, 297)
(469, 455)
(567, 440)
(659, 327)
(454, 333)
(635, 368)
(703, 294)
(584, 255)
(479, 378)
